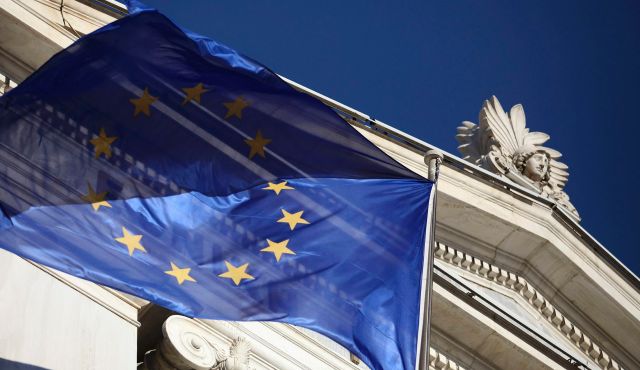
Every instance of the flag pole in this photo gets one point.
(433, 159)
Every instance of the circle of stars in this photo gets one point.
(142, 104)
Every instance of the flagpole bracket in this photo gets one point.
(433, 158)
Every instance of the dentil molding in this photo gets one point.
(531, 295)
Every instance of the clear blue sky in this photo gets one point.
(424, 66)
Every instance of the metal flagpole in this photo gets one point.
(433, 159)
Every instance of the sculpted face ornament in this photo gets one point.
(501, 143)
(537, 167)
(534, 165)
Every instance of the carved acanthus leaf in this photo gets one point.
(238, 355)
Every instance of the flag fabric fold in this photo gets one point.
(169, 166)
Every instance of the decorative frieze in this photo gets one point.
(531, 295)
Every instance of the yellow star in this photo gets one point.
(102, 144)
(143, 103)
(180, 274)
(131, 241)
(257, 145)
(193, 93)
(293, 219)
(234, 108)
(96, 199)
(278, 248)
(277, 188)
(237, 274)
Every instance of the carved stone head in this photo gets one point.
(534, 164)
(502, 143)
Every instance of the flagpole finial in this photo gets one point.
(433, 159)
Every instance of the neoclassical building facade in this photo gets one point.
(517, 283)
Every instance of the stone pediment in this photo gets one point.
(501, 143)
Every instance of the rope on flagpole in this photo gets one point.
(433, 160)
(64, 20)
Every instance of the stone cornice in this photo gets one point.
(531, 295)
(542, 224)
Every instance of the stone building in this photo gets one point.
(518, 283)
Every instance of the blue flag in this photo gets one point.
(169, 166)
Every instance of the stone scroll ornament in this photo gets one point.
(186, 345)
(502, 143)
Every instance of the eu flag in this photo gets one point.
(169, 166)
